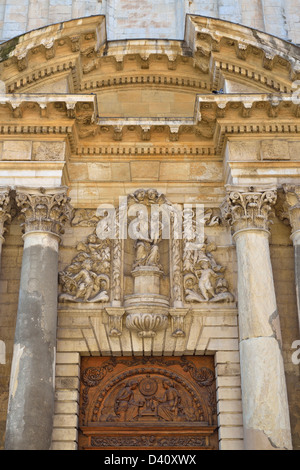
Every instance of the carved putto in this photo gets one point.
(87, 278)
(203, 277)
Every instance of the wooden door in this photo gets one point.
(157, 403)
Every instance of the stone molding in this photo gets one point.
(44, 209)
(247, 208)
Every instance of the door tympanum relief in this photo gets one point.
(147, 402)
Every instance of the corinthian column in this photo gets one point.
(31, 395)
(264, 395)
(291, 209)
(4, 213)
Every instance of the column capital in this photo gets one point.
(288, 209)
(248, 207)
(44, 209)
(5, 207)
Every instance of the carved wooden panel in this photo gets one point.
(147, 402)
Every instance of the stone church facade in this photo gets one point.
(149, 225)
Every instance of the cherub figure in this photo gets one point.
(207, 274)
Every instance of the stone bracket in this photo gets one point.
(115, 316)
(177, 318)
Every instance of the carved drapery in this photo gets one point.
(118, 395)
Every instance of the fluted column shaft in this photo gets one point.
(31, 394)
(264, 395)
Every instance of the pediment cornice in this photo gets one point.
(212, 50)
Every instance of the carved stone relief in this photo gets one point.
(96, 273)
(147, 391)
(87, 278)
(203, 277)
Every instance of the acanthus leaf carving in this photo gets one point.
(245, 208)
(44, 209)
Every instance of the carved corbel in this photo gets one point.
(22, 60)
(118, 133)
(75, 43)
(177, 320)
(268, 60)
(145, 134)
(49, 48)
(241, 50)
(246, 110)
(115, 320)
(274, 107)
(43, 110)
(71, 107)
(174, 133)
(17, 109)
(221, 110)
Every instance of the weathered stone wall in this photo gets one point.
(11, 262)
(151, 18)
(282, 257)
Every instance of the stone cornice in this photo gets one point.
(216, 116)
(214, 48)
(247, 208)
(206, 36)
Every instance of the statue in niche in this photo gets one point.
(147, 251)
(203, 276)
(147, 233)
(87, 279)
